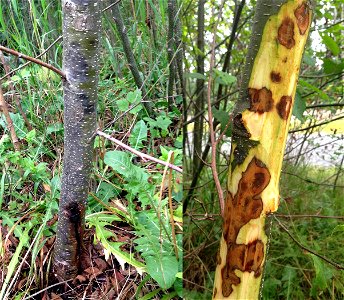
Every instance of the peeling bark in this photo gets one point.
(81, 27)
(260, 128)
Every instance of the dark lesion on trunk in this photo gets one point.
(244, 206)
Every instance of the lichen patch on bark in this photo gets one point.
(260, 100)
(283, 107)
(302, 15)
(286, 33)
(240, 209)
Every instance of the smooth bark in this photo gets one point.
(81, 28)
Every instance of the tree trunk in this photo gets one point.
(81, 27)
(260, 129)
(122, 31)
(199, 104)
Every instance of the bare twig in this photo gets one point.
(334, 264)
(14, 96)
(4, 107)
(316, 125)
(211, 124)
(47, 288)
(138, 153)
(309, 216)
(310, 181)
(29, 62)
(34, 60)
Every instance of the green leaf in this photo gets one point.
(102, 234)
(332, 67)
(195, 76)
(322, 276)
(163, 122)
(223, 77)
(132, 99)
(138, 135)
(299, 107)
(331, 44)
(224, 118)
(309, 60)
(121, 162)
(163, 269)
(314, 88)
(56, 127)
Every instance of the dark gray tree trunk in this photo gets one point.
(81, 27)
(171, 51)
(122, 31)
(200, 99)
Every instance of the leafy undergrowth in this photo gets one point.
(291, 272)
(133, 227)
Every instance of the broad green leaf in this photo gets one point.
(309, 60)
(195, 76)
(132, 99)
(224, 78)
(322, 276)
(331, 44)
(56, 127)
(163, 269)
(163, 122)
(332, 67)
(299, 107)
(338, 228)
(102, 234)
(138, 135)
(314, 88)
(224, 118)
(121, 162)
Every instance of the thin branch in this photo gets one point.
(210, 116)
(309, 216)
(14, 95)
(138, 153)
(8, 74)
(324, 105)
(34, 60)
(47, 288)
(334, 264)
(4, 107)
(316, 125)
(309, 181)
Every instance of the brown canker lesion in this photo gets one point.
(240, 209)
(286, 33)
(302, 15)
(260, 100)
(275, 77)
(283, 107)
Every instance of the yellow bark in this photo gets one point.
(253, 184)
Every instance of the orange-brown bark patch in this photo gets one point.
(283, 107)
(286, 33)
(246, 205)
(302, 17)
(275, 77)
(260, 100)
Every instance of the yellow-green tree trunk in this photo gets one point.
(260, 129)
